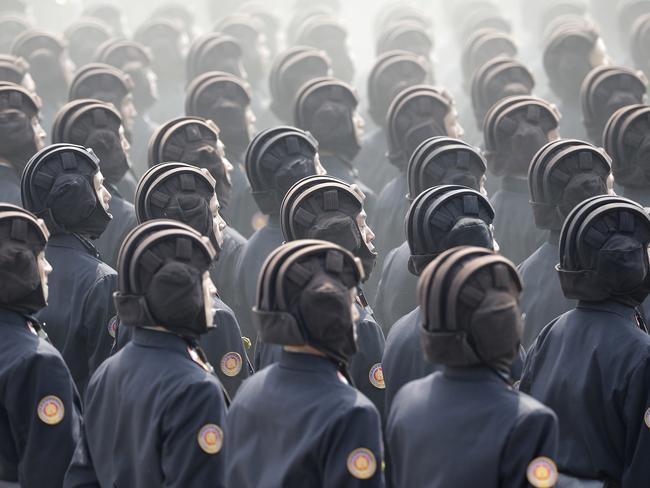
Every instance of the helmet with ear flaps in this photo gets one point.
(564, 173)
(18, 108)
(444, 217)
(102, 82)
(484, 45)
(275, 160)
(11, 26)
(416, 114)
(303, 298)
(405, 35)
(22, 238)
(161, 265)
(214, 52)
(604, 251)
(444, 161)
(84, 36)
(58, 186)
(120, 52)
(470, 302)
(393, 72)
(639, 40)
(325, 208)
(179, 192)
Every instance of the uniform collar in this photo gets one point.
(515, 185)
(159, 339)
(307, 362)
(473, 374)
(10, 317)
(8, 173)
(609, 306)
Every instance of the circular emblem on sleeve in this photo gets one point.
(362, 463)
(542, 473)
(51, 410)
(646, 417)
(231, 363)
(210, 438)
(376, 376)
(112, 327)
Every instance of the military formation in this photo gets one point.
(249, 245)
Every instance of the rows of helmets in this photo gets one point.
(257, 181)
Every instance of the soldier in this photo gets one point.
(325, 208)
(471, 323)
(84, 36)
(416, 114)
(514, 130)
(437, 161)
(226, 100)
(95, 124)
(214, 52)
(439, 219)
(41, 409)
(197, 142)
(21, 136)
(327, 109)
(49, 65)
(392, 72)
(16, 70)
(167, 407)
(605, 90)
(11, 26)
(275, 160)
(563, 174)
(626, 141)
(184, 193)
(329, 433)
(600, 394)
(63, 185)
(108, 84)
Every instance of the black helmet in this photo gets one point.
(275, 160)
(484, 45)
(180, 192)
(13, 69)
(95, 124)
(325, 208)
(11, 26)
(406, 35)
(58, 186)
(161, 266)
(444, 161)
(303, 297)
(22, 239)
(444, 217)
(214, 52)
(562, 174)
(470, 307)
(604, 251)
(101, 82)
(84, 36)
(17, 139)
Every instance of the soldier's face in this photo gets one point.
(320, 170)
(218, 224)
(44, 269)
(209, 295)
(103, 195)
(452, 126)
(39, 133)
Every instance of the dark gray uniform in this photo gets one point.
(592, 367)
(80, 305)
(124, 220)
(297, 423)
(396, 293)
(542, 299)
(223, 272)
(10, 186)
(154, 417)
(374, 168)
(242, 209)
(339, 168)
(474, 428)
(388, 219)
(514, 223)
(40, 410)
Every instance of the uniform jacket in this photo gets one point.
(298, 423)
(40, 410)
(474, 428)
(154, 418)
(374, 168)
(242, 212)
(80, 305)
(337, 167)
(9, 186)
(592, 367)
(223, 271)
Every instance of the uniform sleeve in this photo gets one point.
(193, 438)
(44, 412)
(365, 366)
(353, 450)
(534, 436)
(98, 311)
(81, 473)
(636, 470)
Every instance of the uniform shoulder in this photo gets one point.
(530, 407)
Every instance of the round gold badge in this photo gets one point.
(51, 410)
(210, 438)
(376, 376)
(231, 364)
(542, 473)
(646, 417)
(362, 463)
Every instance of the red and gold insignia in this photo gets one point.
(376, 376)
(646, 418)
(259, 220)
(210, 438)
(362, 463)
(542, 473)
(231, 364)
(112, 327)
(51, 410)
